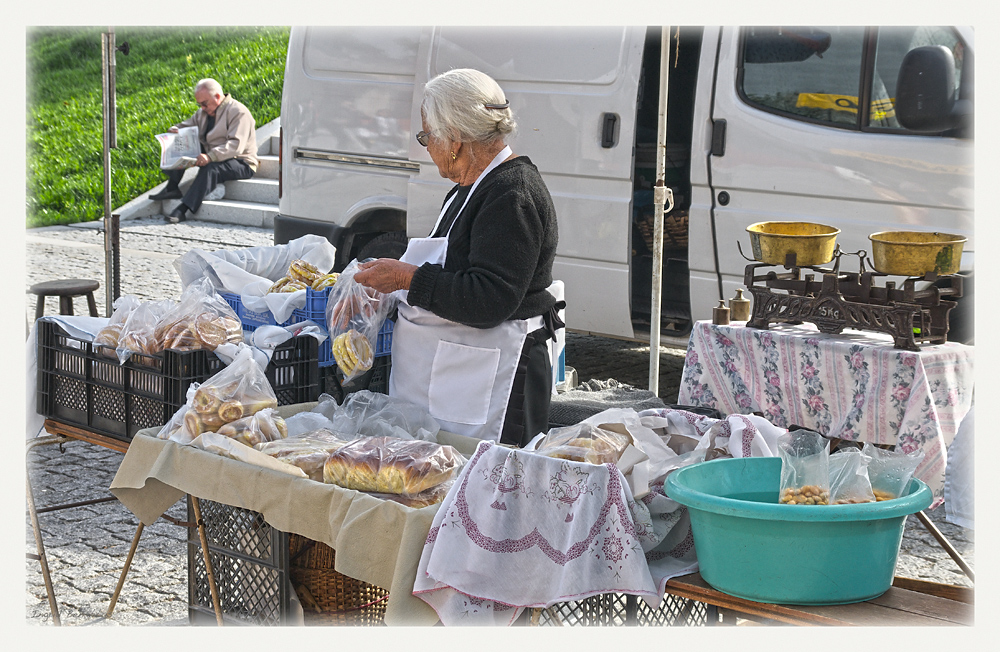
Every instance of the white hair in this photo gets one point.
(210, 85)
(457, 105)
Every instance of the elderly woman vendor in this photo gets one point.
(470, 341)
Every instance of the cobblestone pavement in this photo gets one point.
(86, 546)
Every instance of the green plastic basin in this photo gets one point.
(752, 547)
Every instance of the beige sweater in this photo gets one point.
(233, 136)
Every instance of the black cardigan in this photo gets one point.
(500, 252)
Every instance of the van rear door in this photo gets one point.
(573, 92)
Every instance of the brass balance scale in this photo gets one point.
(836, 299)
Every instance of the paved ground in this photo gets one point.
(86, 546)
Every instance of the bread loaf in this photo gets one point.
(392, 466)
(308, 451)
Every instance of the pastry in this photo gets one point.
(325, 281)
(300, 270)
(390, 465)
(353, 352)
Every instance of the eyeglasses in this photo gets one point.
(204, 104)
(422, 137)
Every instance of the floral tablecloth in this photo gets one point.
(854, 385)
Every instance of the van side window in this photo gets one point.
(824, 75)
(891, 46)
(805, 72)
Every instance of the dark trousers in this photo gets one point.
(208, 177)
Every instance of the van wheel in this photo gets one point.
(387, 245)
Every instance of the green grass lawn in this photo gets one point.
(154, 83)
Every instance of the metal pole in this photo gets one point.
(110, 141)
(662, 196)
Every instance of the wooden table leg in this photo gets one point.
(92, 305)
(950, 549)
(53, 606)
(208, 562)
(128, 564)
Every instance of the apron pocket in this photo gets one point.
(461, 384)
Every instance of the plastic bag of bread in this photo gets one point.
(308, 451)
(262, 426)
(238, 391)
(583, 442)
(890, 471)
(106, 340)
(389, 465)
(139, 330)
(432, 496)
(354, 315)
(200, 320)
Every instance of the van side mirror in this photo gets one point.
(925, 91)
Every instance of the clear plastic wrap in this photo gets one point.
(200, 320)
(805, 468)
(238, 391)
(308, 451)
(107, 339)
(392, 466)
(849, 483)
(583, 442)
(354, 315)
(139, 331)
(371, 414)
(262, 426)
(890, 471)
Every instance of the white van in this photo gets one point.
(764, 123)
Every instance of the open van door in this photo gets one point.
(573, 92)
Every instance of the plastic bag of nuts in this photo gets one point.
(849, 484)
(890, 471)
(805, 468)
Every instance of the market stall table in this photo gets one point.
(854, 385)
(376, 541)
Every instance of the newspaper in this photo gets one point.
(179, 151)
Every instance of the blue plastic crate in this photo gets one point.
(252, 320)
(315, 308)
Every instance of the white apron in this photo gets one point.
(462, 375)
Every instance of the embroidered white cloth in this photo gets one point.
(519, 529)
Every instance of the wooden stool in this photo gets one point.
(65, 289)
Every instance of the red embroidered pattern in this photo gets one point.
(535, 538)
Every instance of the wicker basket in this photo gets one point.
(329, 597)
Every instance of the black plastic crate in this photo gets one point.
(375, 379)
(249, 563)
(85, 386)
(616, 609)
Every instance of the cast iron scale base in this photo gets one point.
(839, 300)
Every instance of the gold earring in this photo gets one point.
(453, 157)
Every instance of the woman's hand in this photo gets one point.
(385, 275)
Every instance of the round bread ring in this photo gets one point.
(193, 423)
(205, 402)
(231, 411)
(210, 330)
(300, 270)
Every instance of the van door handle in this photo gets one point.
(609, 130)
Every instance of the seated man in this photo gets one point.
(228, 144)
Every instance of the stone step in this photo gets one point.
(257, 190)
(268, 167)
(228, 211)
